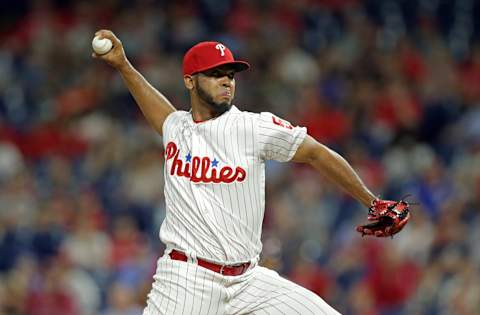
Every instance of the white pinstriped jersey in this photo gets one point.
(215, 181)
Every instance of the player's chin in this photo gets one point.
(225, 98)
(221, 107)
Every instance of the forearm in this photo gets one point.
(154, 106)
(338, 170)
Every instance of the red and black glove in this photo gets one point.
(389, 218)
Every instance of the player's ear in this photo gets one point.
(188, 80)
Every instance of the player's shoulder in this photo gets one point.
(260, 115)
(173, 118)
(235, 112)
(251, 120)
(260, 119)
(178, 114)
(242, 121)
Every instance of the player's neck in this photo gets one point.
(202, 112)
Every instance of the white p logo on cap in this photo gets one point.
(221, 48)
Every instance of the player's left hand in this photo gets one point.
(389, 217)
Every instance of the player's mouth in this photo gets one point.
(226, 94)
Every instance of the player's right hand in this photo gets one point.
(116, 56)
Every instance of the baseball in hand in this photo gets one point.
(101, 46)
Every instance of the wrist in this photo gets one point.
(124, 67)
(371, 201)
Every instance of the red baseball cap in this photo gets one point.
(208, 55)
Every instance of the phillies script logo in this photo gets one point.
(197, 169)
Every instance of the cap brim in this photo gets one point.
(237, 65)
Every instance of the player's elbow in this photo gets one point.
(307, 151)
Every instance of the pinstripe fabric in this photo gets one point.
(215, 199)
(221, 221)
(265, 292)
(185, 288)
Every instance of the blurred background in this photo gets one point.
(394, 86)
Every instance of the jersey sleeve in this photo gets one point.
(171, 120)
(278, 139)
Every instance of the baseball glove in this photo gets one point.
(389, 218)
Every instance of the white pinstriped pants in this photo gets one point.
(184, 288)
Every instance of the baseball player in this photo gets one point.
(215, 191)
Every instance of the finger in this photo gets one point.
(101, 32)
(110, 35)
(378, 233)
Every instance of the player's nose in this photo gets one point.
(226, 81)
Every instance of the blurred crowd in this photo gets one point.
(393, 86)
